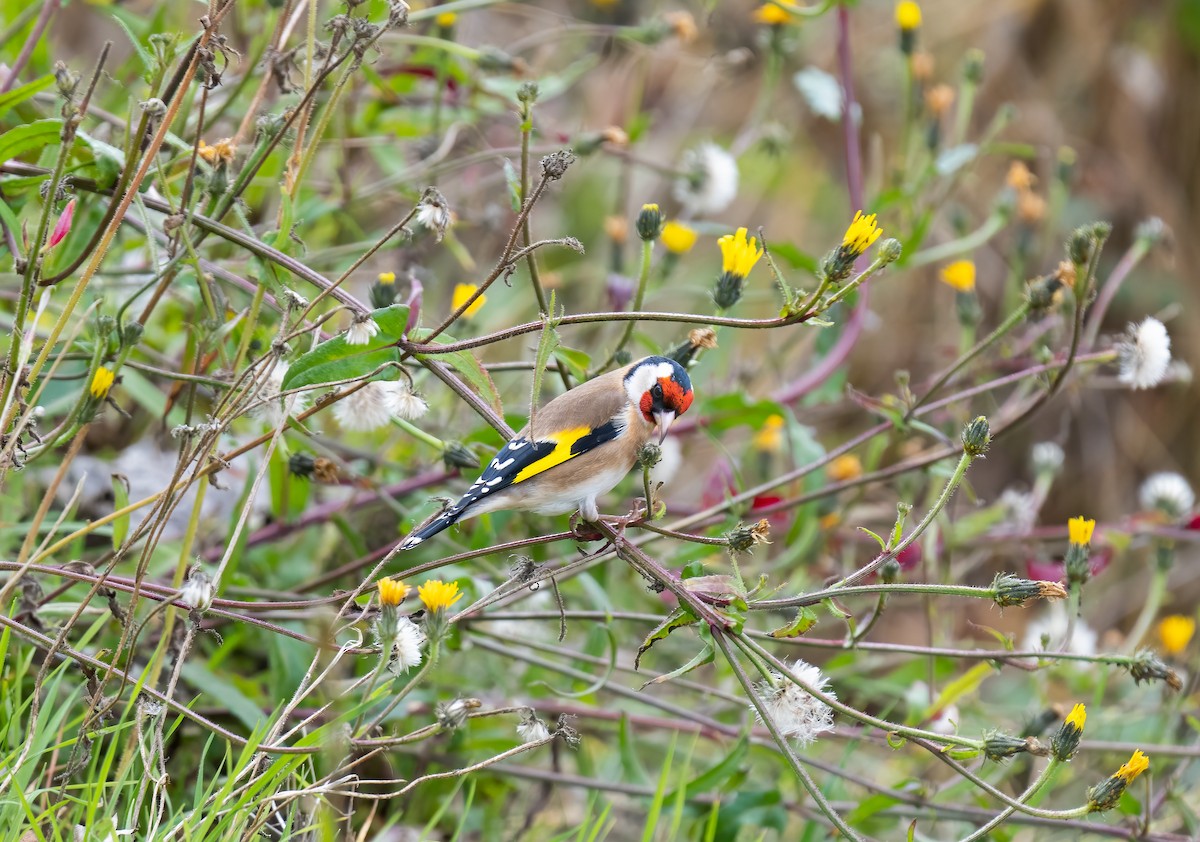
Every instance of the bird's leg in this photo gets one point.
(581, 523)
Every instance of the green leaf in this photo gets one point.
(514, 185)
(727, 770)
(630, 765)
(966, 683)
(546, 344)
(704, 656)
(336, 360)
(678, 618)
(882, 543)
(28, 137)
(465, 363)
(806, 618)
(577, 362)
(108, 159)
(18, 95)
(120, 487)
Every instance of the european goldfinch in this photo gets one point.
(580, 446)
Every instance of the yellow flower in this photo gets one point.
(1077, 717)
(771, 14)
(1080, 529)
(1137, 764)
(1019, 177)
(845, 467)
(739, 253)
(908, 15)
(438, 595)
(102, 381)
(221, 152)
(1176, 632)
(392, 591)
(861, 233)
(446, 19)
(960, 274)
(770, 438)
(677, 237)
(463, 293)
(387, 277)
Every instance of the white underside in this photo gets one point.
(548, 501)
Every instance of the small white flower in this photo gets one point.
(1046, 458)
(1047, 632)
(406, 646)
(709, 181)
(197, 590)
(368, 408)
(532, 729)
(1167, 492)
(362, 330)
(798, 713)
(274, 409)
(1144, 354)
(669, 462)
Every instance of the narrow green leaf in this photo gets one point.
(966, 683)
(631, 766)
(656, 805)
(676, 619)
(882, 543)
(704, 656)
(725, 770)
(805, 619)
(120, 527)
(546, 344)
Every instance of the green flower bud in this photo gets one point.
(976, 436)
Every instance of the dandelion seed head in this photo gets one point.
(798, 714)
(709, 182)
(1144, 355)
(1168, 493)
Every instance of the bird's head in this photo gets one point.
(661, 389)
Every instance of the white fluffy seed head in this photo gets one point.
(406, 646)
(368, 408)
(709, 182)
(1046, 458)
(669, 462)
(361, 331)
(197, 591)
(1144, 355)
(532, 729)
(1167, 492)
(798, 714)
(405, 404)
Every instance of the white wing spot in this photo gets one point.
(500, 466)
(494, 481)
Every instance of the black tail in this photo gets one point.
(443, 521)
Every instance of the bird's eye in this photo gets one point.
(656, 391)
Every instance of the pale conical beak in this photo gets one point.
(663, 421)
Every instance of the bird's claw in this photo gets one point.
(583, 530)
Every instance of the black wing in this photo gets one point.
(517, 461)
